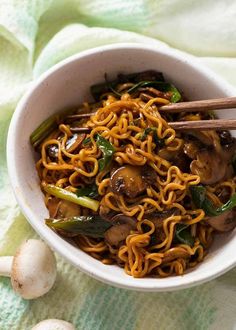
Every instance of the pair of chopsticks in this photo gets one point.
(194, 106)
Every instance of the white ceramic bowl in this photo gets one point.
(67, 84)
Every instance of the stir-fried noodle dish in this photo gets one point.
(128, 189)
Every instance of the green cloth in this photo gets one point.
(36, 34)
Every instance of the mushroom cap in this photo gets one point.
(33, 269)
(53, 324)
(223, 222)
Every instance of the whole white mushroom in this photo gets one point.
(32, 269)
(53, 324)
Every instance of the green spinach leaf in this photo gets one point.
(107, 149)
(200, 200)
(183, 235)
(161, 86)
(89, 191)
(159, 142)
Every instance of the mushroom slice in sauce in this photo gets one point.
(120, 219)
(105, 212)
(52, 150)
(191, 149)
(67, 209)
(132, 180)
(53, 205)
(207, 138)
(73, 142)
(122, 226)
(223, 222)
(157, 218)
(210, 166)
(116, 234)
(62, 209)
(59, 209)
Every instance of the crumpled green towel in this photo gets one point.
(36, 34)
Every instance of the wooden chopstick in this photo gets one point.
(218, 124)
(203, 105)
(202, 125)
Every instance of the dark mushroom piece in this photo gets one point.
(207, 138)
(210, 166)
(121, 229)
(62, 209)
(226, 138)
(191, 149)
(59, 209)
(210, 161)
(223, 222)
(117, 234)
(120, 219)
(157, 218)
(105, 212)
(132, 180)
(72, 143)
(229, 151)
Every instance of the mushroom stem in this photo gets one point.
(5, 266)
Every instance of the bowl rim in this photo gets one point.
(138, 284)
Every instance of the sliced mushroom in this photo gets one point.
(116, 234)
(223, 222)
(67, 209)
(207, 138)
(229, 151)
(226, 138)
(157, 218)
(52, 150)
(105, 212)
(72, 144)
(155, 92)
(191, 149)
(132, 180)
(167, 154)
(120, 219)
(210, 166)
(62, 209)
(121, 229)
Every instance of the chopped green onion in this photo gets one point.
(93, 226)
(86, 141)
(71, 197)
